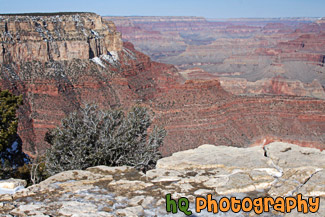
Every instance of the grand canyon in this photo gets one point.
(253, 89)
(236, 82)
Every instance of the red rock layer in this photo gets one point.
(203, 113)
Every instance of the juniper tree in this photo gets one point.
(91, 137)
(9, 104)
(11, 154)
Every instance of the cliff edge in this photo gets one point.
(56, 37)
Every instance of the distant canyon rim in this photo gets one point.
(234, 83)
(282, 56)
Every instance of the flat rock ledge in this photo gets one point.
(278, 169)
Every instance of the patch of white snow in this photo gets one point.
(111, 57)
(98, 61)
(95, 33)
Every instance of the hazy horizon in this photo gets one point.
(108, 15)
(210, 9)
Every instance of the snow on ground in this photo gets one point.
(98, 61)
(114, 55)
(111, 57)
(95, 33)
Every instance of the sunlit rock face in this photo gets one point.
(56, 37)
(253, 52)
(276, 170)
(59, 61)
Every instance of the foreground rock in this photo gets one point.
(10, 186)
(280, 169)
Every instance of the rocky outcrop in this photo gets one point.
(58, 37)
(273, 86)
(278, 169)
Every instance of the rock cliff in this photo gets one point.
(56, 37)
(278, 169)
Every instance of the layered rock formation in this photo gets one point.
(58, 38)
(78, 58)
(278, 169)
(251, 50)
(199, 112)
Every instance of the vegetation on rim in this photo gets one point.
(9, 104)
(11, 155)
(91, 137)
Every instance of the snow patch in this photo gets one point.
(95, 33)
(271, 171)
(108, 59)
(111, 57)
(114, 54)
(84, 32)
(98, 61)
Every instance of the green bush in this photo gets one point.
(93, 137)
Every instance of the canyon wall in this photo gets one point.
(58, 38)
(59, 61)
(200, 112)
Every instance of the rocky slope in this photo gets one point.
(60, 61)
(278, 169)
(252, 50)
(199, 112)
